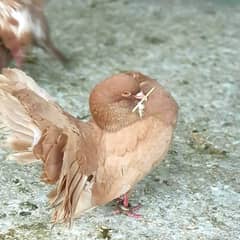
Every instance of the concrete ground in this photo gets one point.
(192, 48)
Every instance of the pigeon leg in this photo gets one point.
(124, 207)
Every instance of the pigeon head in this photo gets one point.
(111, 102)
(126, 98)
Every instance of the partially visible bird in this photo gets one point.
(23, 24)
(91, 163)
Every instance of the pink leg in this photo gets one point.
(123, 207)
(125, 200)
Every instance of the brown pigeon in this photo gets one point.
(23, 24)
(91, 163)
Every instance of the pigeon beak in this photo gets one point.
(140, 95)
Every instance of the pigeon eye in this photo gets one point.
(126, 94)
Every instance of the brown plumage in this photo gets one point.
(23, 24)
(95, 162)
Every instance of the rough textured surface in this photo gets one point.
(191, 47)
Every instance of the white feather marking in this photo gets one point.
(140, 104)
(19, 13)
(24, 21)
(36, 136)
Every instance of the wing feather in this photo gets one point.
(38, 128)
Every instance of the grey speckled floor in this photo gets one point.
(192, 48)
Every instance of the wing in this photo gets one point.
(38, 129)
(131, 153)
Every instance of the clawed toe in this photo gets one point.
(123, 207)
